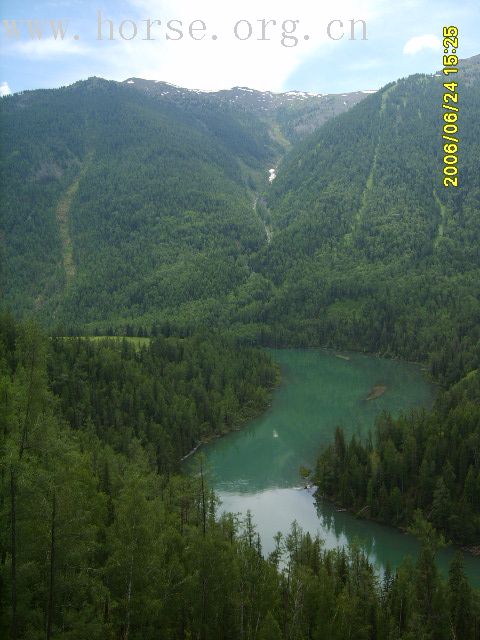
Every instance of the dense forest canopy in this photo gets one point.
(99, 539)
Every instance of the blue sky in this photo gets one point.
(402, 38)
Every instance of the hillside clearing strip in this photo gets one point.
(369, 184)
(443, 219)
(63, 218)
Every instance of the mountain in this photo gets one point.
(123, 199)
(110, 195)
(142, 203)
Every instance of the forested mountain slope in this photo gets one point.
(121, 199)
(110, 196)
(369, 249)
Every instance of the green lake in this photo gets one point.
(257, 468)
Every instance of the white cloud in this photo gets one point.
(420, 43)
(49, 48)
(226, 62)
(4, 89)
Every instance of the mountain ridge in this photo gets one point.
(297, 113)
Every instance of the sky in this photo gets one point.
(275, 45)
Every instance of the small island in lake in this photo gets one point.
(376, 391)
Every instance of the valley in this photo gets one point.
(210, 300)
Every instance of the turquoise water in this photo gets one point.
(257, 468)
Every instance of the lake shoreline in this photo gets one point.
(472, 550)
(253, 466)
(239, 425)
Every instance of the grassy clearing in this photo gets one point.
(138, 342)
